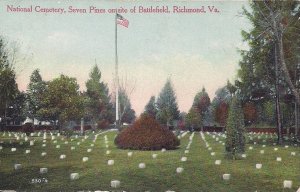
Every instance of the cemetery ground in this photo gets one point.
(200, 171)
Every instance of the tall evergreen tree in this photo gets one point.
(167, 105)
(35, 90)
(150, 108)
(235, 129)
(98, 108)
(127, 114)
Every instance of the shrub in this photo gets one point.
(146, 134)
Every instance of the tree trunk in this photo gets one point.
(278, 111)
(296, 122)
(285, 70)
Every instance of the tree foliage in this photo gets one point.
(167, 105)
(98, 108)
(8, 85)
(235, 129)
(35, 90)
(150, 108)
(62, 101)
(193, 120)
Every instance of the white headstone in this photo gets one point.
(286, 146)
(186, 151)
(218, 162)
(244, 155)
(163, 150)
(179, 170)
(115, 183)
(92, 145)
(66, 142)
(209, 148)
(89, 150)
(212, 153)
(72, 148)
(262, 151)
(18, 166)
(258, 166)
(226, 176)
(275, 149)
(74, 176)
(278, 159)
(142, 165)
(85, 159)
(27, 151)
(129, 154)
(43, 170)
(78, 143)
(293, 153)
(13, 149)
(154, 156)
(110, 162)
(31, 143)
(287, 184)
(44, 145)
(107, 152)
(57, 146)
(43, 154)
(62, 156)
(250, 147)
(54, 141)
(183, 158)
(1, 147)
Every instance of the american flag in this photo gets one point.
(122, 21)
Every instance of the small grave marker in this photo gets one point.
(43, 170)
(179, 170)
(183, 159)
(258, 166)
(17, 166)
(287, 184)
(226, 177)
(74, 176)
(142, 165)
(110, 162)
(115, 183)
(85, 159)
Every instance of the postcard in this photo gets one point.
(149, 95)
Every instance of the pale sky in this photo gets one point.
(194, 49)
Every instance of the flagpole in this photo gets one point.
(116, 73)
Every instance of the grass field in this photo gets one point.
(200, 172)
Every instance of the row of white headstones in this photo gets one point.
(75, 176)
(116, 183)
(258, 136)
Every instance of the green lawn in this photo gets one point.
(200, 172)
